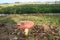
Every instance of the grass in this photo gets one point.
(30, 8)
(54, 19)
(37, 19)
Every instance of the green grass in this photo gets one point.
(54, 19)
(31, 8)
(37, 19)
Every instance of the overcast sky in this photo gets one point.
(12, 1)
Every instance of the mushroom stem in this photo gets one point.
(26, 31)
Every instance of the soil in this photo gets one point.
(38, 32)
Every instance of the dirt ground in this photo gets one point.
(38, 32)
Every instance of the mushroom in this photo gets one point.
(25, 25)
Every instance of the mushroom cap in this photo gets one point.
(25, 24)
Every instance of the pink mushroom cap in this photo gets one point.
(25, 24)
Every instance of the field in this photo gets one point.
(30, 8)
(46, 18)
(46, 27)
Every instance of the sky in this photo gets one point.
(12, 1)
